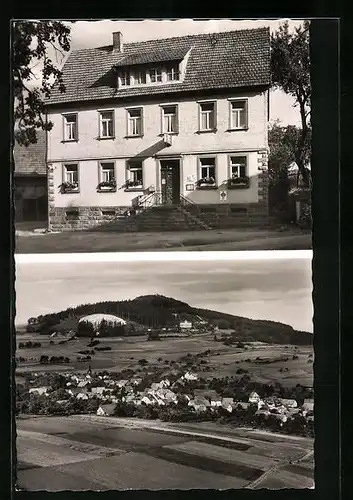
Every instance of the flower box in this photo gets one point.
(69, 187)
(206, 182)
(239, 183)
(107, 186)
(133, 185)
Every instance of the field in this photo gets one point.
(222, 361)
(85, 452)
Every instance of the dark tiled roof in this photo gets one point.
(31, 159)
(237, 59)
(153, 56)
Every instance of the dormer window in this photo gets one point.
(125, 78)
(155, 75)
(139, 78)
(173, 73)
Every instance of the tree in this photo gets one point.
(32, 44)
(290, 70)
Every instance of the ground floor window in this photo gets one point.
(207, 172)
(134, 175)
(70, 177)
(238, 166)
(238, 171)
(107, 176)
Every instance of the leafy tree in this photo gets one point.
(290, 70)
(32, 43)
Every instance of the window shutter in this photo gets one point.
(246, 114)
(215, 115)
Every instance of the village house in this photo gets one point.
(288, 403)
(39, 390)
(106, 410)
(254, 398)
(185, 325)
(177, 124)
(308, 405)
(199, 403)
(241, 404)
(227, 404)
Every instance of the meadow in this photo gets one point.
(287, 364)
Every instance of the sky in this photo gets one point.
(90, 34)
(277, 290)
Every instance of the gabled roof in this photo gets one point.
(233, 59)
(31, 159)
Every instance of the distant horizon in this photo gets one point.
(23, 325)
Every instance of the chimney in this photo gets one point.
(118, 44)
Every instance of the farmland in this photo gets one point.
(265, 363)
(89, 452)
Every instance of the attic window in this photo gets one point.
(155, 75)
(173, 73)
(125, 79)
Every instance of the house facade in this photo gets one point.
(161, 123)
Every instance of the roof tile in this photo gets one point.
(236, 59)
(31, 159)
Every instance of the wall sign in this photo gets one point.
(190, 187)
(223, 195)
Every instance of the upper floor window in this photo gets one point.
(125, 78)
(173, 73)
(238, 114)
(207, 116)
(135, 122)
(155, 75)
(170, 119)
(106, 124)
(70, 127)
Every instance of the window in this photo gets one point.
(207, 172)
(134, 122)
(125, 78)
(238, 166)
(207, 116)
(134, 174)
(238, 114)
(106, 119)
(173, 73)
(70, 178)
(70, 127)
(169, 119)
(155, 75)
(139, 78)
(107, 172)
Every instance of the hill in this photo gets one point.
(158, 311)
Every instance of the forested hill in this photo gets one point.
(158, 311)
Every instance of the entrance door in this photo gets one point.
(170, 181)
